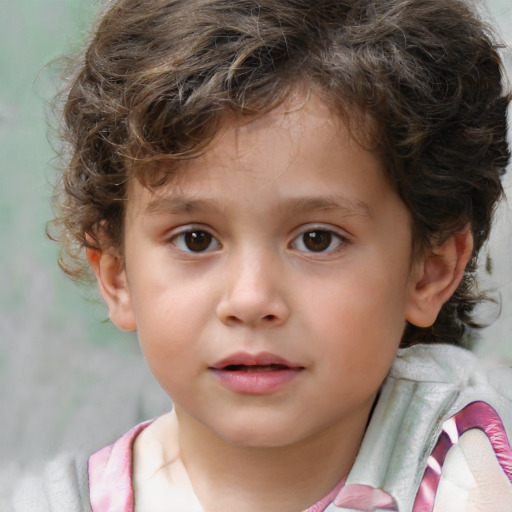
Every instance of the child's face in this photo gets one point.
(284, 246)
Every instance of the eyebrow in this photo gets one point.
(341, 204)
(347, 206)
(170, 205)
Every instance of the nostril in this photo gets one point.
(269, 317)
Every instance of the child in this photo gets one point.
(286, 200)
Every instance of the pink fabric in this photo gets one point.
(110, 474)
(110, 477)
(475, 415)
(365, 498)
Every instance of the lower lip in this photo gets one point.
(257, 383)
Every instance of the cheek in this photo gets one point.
(171, 352)
(358, 323)
(167, 301)
(357, 300)
(168, 322)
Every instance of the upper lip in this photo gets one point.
(247, 359)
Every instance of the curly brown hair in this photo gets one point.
(421, 77)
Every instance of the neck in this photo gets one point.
(266, 478)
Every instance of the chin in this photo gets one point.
(260, 434)
(259, 440)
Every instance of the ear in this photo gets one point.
(108, 268)
(436, 277)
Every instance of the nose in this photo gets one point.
(253, 295)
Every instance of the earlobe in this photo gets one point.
(110, 274)
(437, 276)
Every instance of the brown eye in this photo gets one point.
(195, 241)
(317, 241)
(198, 241)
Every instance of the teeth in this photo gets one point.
(255, 368)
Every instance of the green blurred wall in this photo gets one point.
(68, 378)
(32, 33)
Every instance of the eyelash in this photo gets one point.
(203, 236)
(333, 238)
(180, 242)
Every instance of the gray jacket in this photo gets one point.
(63, 487)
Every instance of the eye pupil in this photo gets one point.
(198, 241)
(317, 240)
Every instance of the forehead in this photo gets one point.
(291, 154)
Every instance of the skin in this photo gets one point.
(338, 313)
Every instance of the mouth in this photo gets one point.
(259, 374)
(255, 368)
(261, 362)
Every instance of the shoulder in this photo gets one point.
(451, 379)
(62, 485)
(440, 412)
(447, 364)
(469, 465)
(76, 483)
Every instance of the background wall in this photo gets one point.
(68, 379)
